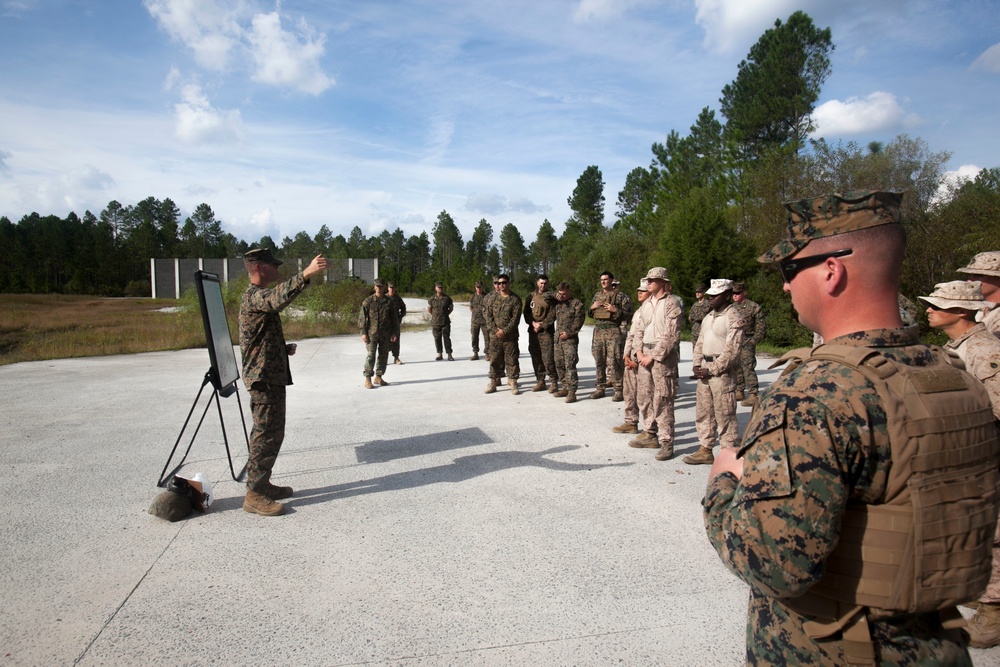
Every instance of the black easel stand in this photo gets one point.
(164, 476)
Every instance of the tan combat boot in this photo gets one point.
(368, 383)
(703, 456)
(740, 396)
(666, 451)
(571, 396)
(258, 503)
(618, 397)
(491, 388)
(539, 386)
(984, 626)
(514, 390)
(450, 358)
(554, 387)
(438, 358)
(750, 401)
(644, 440)
(598, 392)
(562, 393)
(398, 361)
(474, 357)
(379, 380)
(625, 428)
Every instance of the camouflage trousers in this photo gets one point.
(746, 370)
(491, 348)
(656, 390)
(567, 356)
(540, 347)
(476, 329)
(715, 410)
(267, 405)
(607, 351)
(630, 388)
(377, 345)
(442, 332)
(992, 594)
(394, 347)
(505, 353)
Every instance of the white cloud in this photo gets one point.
(492, 204)
(954, 179)
(877, 112)
(196, 121)
(88, 177)
(732, 25)
(210, 29)
(601, 9)
(282, 60)
(989, 60)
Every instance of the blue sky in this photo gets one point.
(290, 115)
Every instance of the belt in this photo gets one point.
(649, 346)
(709, 359)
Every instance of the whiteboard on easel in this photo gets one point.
(225, 371)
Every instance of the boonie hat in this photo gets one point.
(984, 264)
(657, 273)
(837, 213)
(964, 294)
(643, 285)
(261, 255)
(719, 285)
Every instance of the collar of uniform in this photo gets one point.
(880, 337)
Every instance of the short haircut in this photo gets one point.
(503, 276)
(610, 275)
(542, 276)
(563, 287)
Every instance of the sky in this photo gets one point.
(286, 116)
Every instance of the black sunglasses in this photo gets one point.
(502, 282)
(791, 268)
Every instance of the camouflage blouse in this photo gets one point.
(262, 341)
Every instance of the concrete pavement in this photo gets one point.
(431, 524)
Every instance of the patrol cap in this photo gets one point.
(439, 284)
(657, 273)
(984, 264)
(700, 287)
(171, 506)
(719, 285)
(261, 255)
(379, 283)
(739, 288)
(391, 284)
(964, 294)
(833, 214)
(643, 285)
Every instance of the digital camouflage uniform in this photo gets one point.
(266, 372)
(980, 351)
(477, 304)
(699, 309)
(569, 319)
(400, 307)
(505, 315)
(379, 320)
(541, 308)
(991, 320)
(715, 397)
(817, 440)
(754, 331)
(491, 334)
(657, 330)
(607, 343)
(441, 307)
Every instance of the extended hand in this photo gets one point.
(316, 266)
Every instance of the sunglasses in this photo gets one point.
(502, 282)
(791, 268)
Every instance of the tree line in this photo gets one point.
(709, 201)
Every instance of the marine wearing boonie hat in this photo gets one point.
(964, 294)
(829, 215)
(643, 285)
(984, 264)
(261, 255)
(657, 273)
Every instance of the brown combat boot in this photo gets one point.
(368, 383)
(438, 358)
(450, 358)
(666, 451)
(984, 626)
(258, 503)
(514, 390)
(625, 428)
(644, 440)
(703, 456)
(562, 393)
(554, 387)
(379, 380)
(740, 396)
(539, 386)
(618, 397)
(598, 392)
(276, 492)
(474, 357)
(491, 388)
(750, 401)
(571, 396)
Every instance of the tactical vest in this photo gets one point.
(540, 306)
(928, 547)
